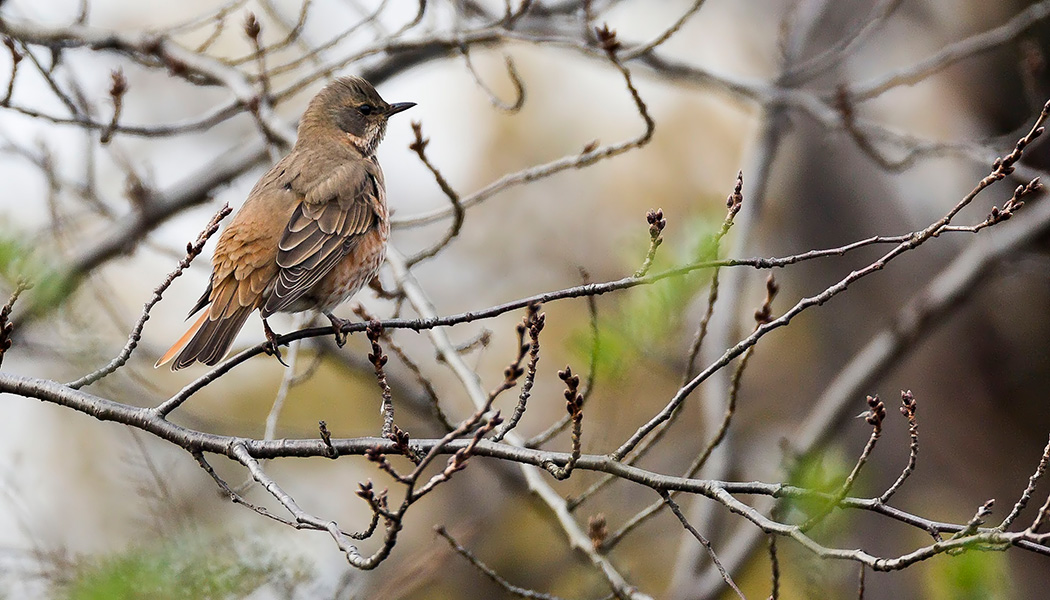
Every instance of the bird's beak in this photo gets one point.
(399, 107)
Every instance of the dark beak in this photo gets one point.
(399, 107)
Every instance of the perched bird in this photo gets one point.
(312, 232)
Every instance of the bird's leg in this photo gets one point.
(337, 327)
(271, 339)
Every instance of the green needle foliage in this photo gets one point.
(652, 316)
(186, 568)
(972, 575)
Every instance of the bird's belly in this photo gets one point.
(344, 280)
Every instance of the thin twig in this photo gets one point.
(16, 57)
(1041, 517)
(117, 90)
(1026, 496)
(657, 222)
(419, 146)
(908, 408)
(237, 498)
(252, 29)
(664, 35)
(592, 371)
(192, 250)
(342, 540)
(6, 326)
(413, 367)
(875, 416)
(574, 405)
(533, 322)
(488, 572)
(512, 72)
(378, 359)
(700, 538)
(428, 387)
(734, 202)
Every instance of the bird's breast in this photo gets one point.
(351, 274)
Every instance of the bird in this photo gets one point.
(311, 233)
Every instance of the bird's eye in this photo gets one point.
(366, 109)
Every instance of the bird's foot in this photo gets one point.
(271, 340)
(337, 327)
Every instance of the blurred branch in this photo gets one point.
(557, 506)
(1000, 169)
(586, 158)
(927, 309)
(487, 571)
(952, 53)
(6, 326)
(192, 251)
(419, 146)
(703, 541)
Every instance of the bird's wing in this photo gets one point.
(335, 213)
(243, 269)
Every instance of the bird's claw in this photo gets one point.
(337, 328)
(274, 351)
(272, 348)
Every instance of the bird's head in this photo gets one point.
(351, 107)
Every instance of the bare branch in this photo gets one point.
(6, 326)
(657, 222)
(192, 251)
(1000, 169)
(1026, 495)
(533, 323)
(378, 360)
(700, 538)
(953, 53)
(908, 408)
(116, 93)
(458, 212)
(16, 57)
(487, 571)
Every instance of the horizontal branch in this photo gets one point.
(236, 448)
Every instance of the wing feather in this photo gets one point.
(323, 229)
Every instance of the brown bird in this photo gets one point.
(312, 232)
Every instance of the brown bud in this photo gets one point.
(120, 83)
(251, 26)
(607, 39)
(597, 530)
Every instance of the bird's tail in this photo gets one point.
(207, 341)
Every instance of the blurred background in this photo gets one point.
(848, 120)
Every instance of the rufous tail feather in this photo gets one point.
(185, 339)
